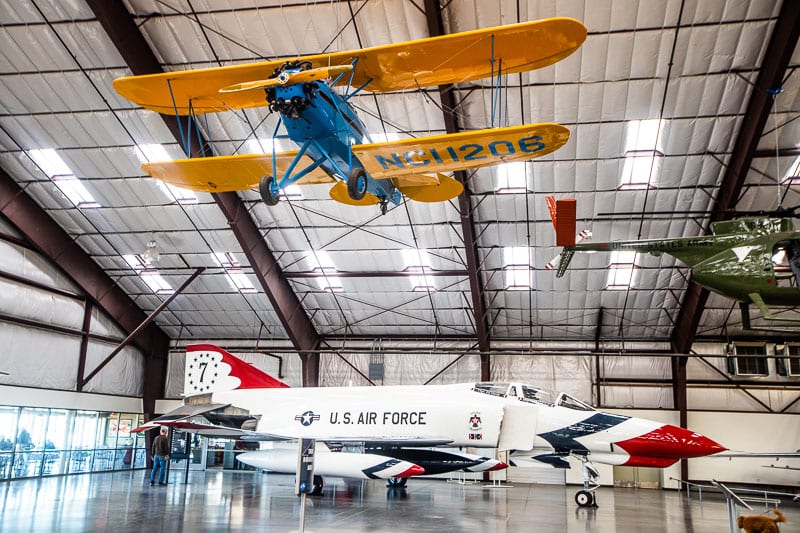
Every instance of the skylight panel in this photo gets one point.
(792, 176)
(416, 260)
(328, 280)
(512, 178)
(517, 268)
(385, 137)
(148, 273)
(621, 270)
(57, 170)
(265, 146)
(643, 154)
(237, 279)
(156, 152)
(422, 283)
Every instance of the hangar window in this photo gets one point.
(512, 178)
(156, 152)
(621, 270)
(643, 155)
(57, 170)
(789, 364)
(747, 359)
(418, 260)
(517, 268)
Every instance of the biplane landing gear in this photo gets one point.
(587, 497)
(268, 190)
(384, 206)
(357, 183)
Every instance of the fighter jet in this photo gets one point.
(227, 397)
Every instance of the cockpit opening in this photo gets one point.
(530, 394)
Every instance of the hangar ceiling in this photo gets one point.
(688, 74)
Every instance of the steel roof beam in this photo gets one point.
(433, 14)
(134, 49)
(56, 245)
(770, 77)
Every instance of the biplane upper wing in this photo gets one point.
(441, 60)
(459, 151)
(228, 172)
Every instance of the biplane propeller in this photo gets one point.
(312, 93)
(752, 259)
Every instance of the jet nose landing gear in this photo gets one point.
(587, 497)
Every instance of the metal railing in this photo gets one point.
(767, 497)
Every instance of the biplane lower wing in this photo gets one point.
(460, 151)
(229, 172)
(442, 60)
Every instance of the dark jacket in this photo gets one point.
(160, 446)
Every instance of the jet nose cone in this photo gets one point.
(413, 470)
(499, 466)
(671, 441)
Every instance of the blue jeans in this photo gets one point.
(161, 465)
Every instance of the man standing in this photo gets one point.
(160, 451)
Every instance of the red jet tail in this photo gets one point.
(209, 368)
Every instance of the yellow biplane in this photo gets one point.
(334, 146)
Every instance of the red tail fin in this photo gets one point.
(563, 213)
(209, 368)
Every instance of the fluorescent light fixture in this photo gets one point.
(517, 268)
(643, 154)
(512, 178)
(59, 172)
(621, 270)
(236, 277)
(156, 152)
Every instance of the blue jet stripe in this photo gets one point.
(370, 472)
(563, 439)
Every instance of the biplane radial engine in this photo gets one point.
(333, 143)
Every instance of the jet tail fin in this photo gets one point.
(209, 368)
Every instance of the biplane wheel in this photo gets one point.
(268, 190)
(357, 183)
(384, 207)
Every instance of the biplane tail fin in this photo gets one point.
(209, 368)
(562, 212)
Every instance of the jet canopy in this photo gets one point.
(531, 394)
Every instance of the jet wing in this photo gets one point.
(409, 158)
(442, 60)
(229, 172)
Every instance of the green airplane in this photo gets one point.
(751, 259)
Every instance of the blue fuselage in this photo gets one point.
(320, 119)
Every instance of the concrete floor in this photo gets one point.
(239, 501)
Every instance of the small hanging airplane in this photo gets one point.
(334, 145)
(226, 397)
(751, 259)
